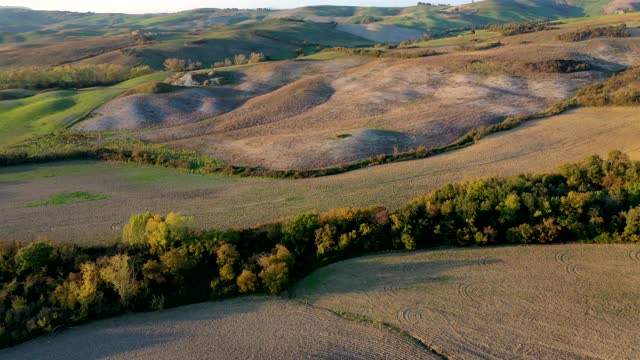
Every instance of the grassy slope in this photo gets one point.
(45, 112)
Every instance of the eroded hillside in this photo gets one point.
(318, 112)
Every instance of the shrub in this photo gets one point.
(255, 58)
(240, 59)
(118, 271)
(247, 282)
(275, 269)
(485, 46)
(519, 28)
(591, 32)
(227, 259)
(33, 257)
(177, 65)
(622, 89)
(558, 66)
(632, 228)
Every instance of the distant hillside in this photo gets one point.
(31, 37)
(422, 17)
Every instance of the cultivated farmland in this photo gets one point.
(529, 302)
(258, 327)
(225, 201)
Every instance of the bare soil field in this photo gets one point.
(223, 201)
(529, 302)
(307, 114)
(245, 328)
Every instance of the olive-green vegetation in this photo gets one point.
(519, 28)
(558, 66)
(173, 64)
(379, 53)
(585, 33)
(152, 87)
(484, 46)
(162, 262)
(620, 89)
(68, 76)
(78, 145)
(12, 94)
(66, 198)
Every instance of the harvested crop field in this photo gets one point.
(223, 201)
(245, 328)
(529, 302)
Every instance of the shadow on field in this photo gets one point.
(386, 272)
(126, 334)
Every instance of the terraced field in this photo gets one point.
(222, 201)
(528, 302)
(245, 328)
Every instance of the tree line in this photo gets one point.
(162, 261)
(68, 76)
(588, 32)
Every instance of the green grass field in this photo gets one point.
(43, 113)
(67, 198)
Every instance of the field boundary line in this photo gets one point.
(379, 324)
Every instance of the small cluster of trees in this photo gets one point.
(162, 262)
(616, 31)
(519, 28)
(241, 59)
(68, 76)
(177, 65)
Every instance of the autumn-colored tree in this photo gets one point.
(227, 259)
(247, 281)
(118, 271)
(275, 269)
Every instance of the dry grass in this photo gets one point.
(221, 201)
(287, 115)
(529, 302)
(246, 328)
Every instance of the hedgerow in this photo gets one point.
(162, 261)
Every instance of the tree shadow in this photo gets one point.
(384, 271)
(128, 333)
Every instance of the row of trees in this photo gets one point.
(241, 59)
(68, 76)
(519, 28)
(177, 65)
(162, 262)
